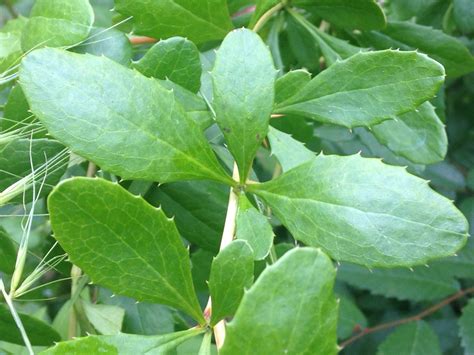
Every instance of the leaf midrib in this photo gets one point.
(150, 134)
(301, 100)
(359, 210)
(138, 255)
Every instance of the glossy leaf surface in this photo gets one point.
(126, 123)
(231, 274)
(57, 23)
(372, 214)
(244, 79)
(138, 249)
(200, 21)
(290, 297)
(176, 59)
(367, 88)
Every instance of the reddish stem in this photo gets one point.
(245, 11)
(416, 317)
(142, 40)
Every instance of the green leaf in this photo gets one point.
(289, 152)
(446, 49)
(416, 338)
(137, 250)
(298, 42)
(49, 164)
(291, 306)
(201, 261)
(110, 43)
(195, 345)
(106, 319)
(421, 284)
(466, 324)
(463, 15)
(10, 51)
(350, 318)
(200, 21)
(176, 59)
(367, 88)
(244, 79)
(364, 211)
(106, 105)
(231, 274)
(290, 83)
(17, 114)
(254, 228)
(199, 219)
(194, 105)
(141, 317)
(418, 135)
(57, 23)
(123, 344)
(333, 48)
(462, 264)
(205, 348)
(7, 253)
(360, 14)
(15, 25)
(38, 331)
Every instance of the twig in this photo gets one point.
(227, 237)
(416, 317)
(76, 274)
(10, 8)
(91, 169)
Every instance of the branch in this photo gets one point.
(227, 237)
(416, 317)
(76, 274)
(10, 8)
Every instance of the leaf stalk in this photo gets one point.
(267, 16)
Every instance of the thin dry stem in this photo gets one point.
(416, 317)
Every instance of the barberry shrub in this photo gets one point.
(236, 177)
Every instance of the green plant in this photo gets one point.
(262, 190)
